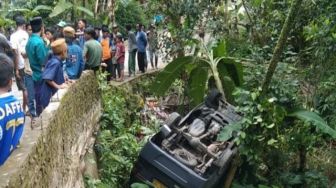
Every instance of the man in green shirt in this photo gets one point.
(93, 51)
(37, 51)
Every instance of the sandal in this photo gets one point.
(34, 122)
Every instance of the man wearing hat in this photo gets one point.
(61, 25)
(18, 42)
(74, 63)
(53, 77)
(37, 52)
(115, 31)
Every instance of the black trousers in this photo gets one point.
(95, 69)
(141, 61)
(108, 68)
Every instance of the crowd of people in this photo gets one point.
(45, 59)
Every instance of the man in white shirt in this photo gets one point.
(18, 42)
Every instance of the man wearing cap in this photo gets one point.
(18, 42)
(74, 63)
(53, 77)
(37, 52)
(61, 26)
(115, 31)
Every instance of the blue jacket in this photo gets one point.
(53, 71)
(74, 64)
(141, 40)
(11, 125)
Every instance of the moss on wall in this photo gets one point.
(55, 159)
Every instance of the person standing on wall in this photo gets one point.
(141, 44)
(18, 42)
(132, 49)
(37, 52)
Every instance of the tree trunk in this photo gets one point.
(96, 8)
(111, 10)
(302, 158)
(84, 5)
(281, 44)
(226, 12)
(73, 10)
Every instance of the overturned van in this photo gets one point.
(186, 153)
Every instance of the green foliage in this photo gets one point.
(269, 124)
(28, 10)
(62, 7)
(171, 72)
(182, 22)
(315, 119)
(119, 140)
(266, 124)
(210, 65)
(93, 183)
(198, 80)
(129, 12)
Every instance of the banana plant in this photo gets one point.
(63, 6)
(208, 65)
(28, 11)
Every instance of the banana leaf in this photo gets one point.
(197, 84)
(315, 119)
(170, 73)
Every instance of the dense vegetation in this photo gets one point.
(123, 131)
(283, 142)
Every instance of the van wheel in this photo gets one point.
(173, 119)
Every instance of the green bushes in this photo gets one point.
(121, 136)
(275, 148)
(131, 13)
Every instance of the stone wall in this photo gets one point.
(55, 160)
